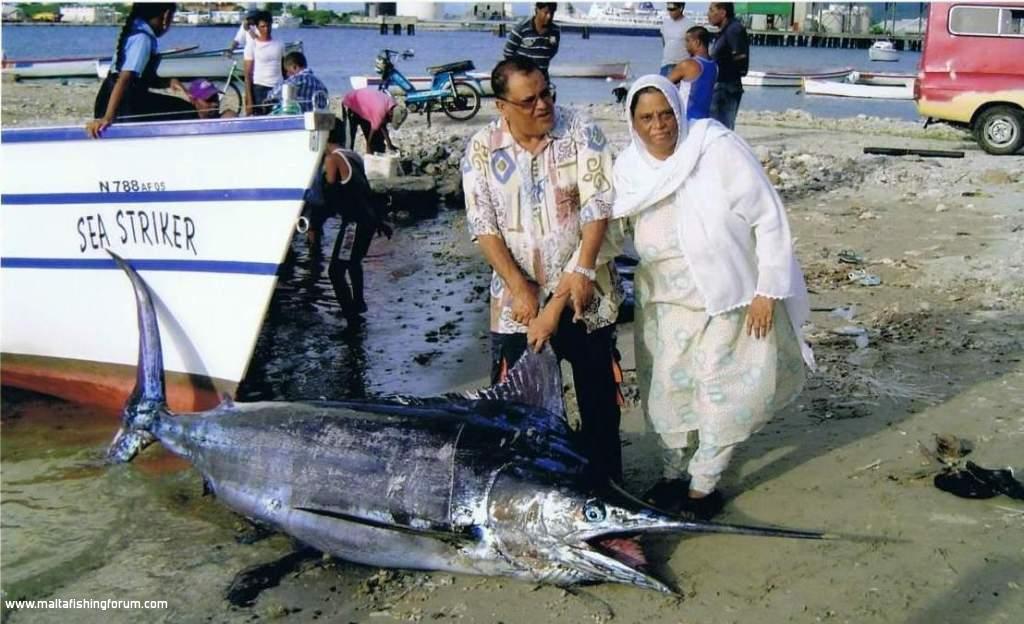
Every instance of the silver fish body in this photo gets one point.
(490, 482)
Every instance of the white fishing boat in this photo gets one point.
(208, 64)
(856, 90)
(420, 82)
(70, 67)
(206, 234)
(200, 65)
(287, 20)
(889, 79)
(615, 70)
(883, 51)
(636, 15)
(791, 77)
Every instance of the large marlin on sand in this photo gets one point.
(490, 482)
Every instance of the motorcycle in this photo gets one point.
(451, 89)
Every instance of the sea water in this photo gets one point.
(335, 54)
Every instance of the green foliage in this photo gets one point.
(32, 8)
(321, 18)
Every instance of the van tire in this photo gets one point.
(1000, 130)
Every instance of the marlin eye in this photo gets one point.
(593, 511)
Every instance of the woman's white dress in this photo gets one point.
(698, 372)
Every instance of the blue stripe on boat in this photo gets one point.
(157, 129)
(187, 266)
(148, 197)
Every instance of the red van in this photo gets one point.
(972, 72)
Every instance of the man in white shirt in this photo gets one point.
(246, 31)
(262, 65)
(673, 37)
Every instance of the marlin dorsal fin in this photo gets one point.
(534, 380)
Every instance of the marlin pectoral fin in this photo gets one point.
(444, 536)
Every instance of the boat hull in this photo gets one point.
(854, 90)
(78, 67)
(207, 236)
(73, 68)
(616, 71)
(887, 55)
(789, 78)
(203, 65)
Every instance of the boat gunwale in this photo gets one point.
(157, 129)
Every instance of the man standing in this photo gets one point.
(343, 189)
(731, 50)
(262, 65)
(310, 92)
(246, 31)
(673, 31)
(538, 192)
(696, 76)
(537, 37)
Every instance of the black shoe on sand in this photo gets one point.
(704, 508)
(667, 494)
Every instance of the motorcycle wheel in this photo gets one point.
(464, 105)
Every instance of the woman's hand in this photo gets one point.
(175, 85)
(542, 328)
(759, 316)
(96, 127)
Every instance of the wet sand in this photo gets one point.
(945, 332)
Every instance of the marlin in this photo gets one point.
(490, 482)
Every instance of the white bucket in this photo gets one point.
(381, 165)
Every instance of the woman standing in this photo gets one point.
(720, 295)
(125, 93)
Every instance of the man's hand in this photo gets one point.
(524, 303)
(96, 127)
(759, 316)
(581, 290)
(542, 328)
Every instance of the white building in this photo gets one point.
(420, 10)
(490, 10)
(87, 15)
(226, 17)
(13, 13)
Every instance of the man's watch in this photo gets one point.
(590, 274)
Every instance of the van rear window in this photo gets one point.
(987, 21)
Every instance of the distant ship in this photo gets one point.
(286, 20)
(606, 17)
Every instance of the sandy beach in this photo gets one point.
(936, 347)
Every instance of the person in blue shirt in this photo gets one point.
(696, 75)
(125, 93)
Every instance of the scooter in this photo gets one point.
(451, 89)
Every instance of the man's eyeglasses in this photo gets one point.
(530, 103)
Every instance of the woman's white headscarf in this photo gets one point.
(650, 180)
(714, 231)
